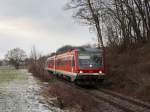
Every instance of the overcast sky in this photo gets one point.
(43, 23)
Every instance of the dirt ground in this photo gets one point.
(19, 92)
(72, 99)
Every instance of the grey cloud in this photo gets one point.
(30, 8)
(43, 23)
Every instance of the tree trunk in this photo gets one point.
(97, 25)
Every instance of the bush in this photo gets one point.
(37, 68)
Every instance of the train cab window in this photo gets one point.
(84, 60)
(90, 60)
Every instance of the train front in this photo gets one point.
(90, 66)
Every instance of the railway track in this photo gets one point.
(130, 99)
(124, 103)
(127, 104)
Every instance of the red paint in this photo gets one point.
(63, 62)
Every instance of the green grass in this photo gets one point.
(8, 74)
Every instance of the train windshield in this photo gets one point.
(90, 60)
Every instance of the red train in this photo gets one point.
(81, 65)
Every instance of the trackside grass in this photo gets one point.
(8, 74)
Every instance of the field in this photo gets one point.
(8, 74)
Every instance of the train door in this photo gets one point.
(72, 64)
(54, 64)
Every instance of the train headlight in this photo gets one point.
(81, 72)
(100, 72)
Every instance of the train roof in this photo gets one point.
(89, 49)
(84, 49)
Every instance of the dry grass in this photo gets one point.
(71, 98)
(129, 71)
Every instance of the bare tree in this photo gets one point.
(16, 56)
(127, 21)
(123, 22)
(89, 12)
(34, 55)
